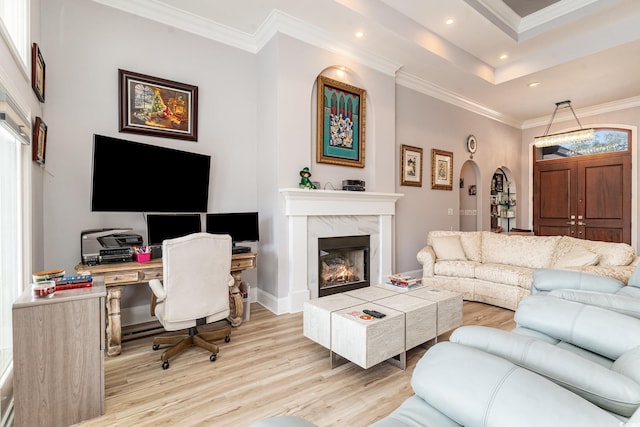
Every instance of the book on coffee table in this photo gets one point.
(403, 282)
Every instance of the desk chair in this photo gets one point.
(194, 291)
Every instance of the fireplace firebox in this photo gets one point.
(343, 264)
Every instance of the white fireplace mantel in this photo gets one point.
(328, 213)
(332, 202)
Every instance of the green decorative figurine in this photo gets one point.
(305, 182)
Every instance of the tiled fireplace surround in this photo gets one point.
(312, 214)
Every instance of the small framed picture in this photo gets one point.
(441, 170)
(473, 190)
(37, 72)
(411, 168)
(39, 141)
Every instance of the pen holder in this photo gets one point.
(143, 257)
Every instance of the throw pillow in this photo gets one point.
(448, 248)
(578, 256)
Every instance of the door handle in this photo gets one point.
(582, 223)
(571, 223)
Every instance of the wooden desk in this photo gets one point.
(118, 275)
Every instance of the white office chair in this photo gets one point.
(194, 291)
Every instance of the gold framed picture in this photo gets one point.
(411, 166)
(441, 170)
(341, 123)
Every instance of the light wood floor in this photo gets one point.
(269, 368)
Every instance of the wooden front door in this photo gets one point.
(587, 197)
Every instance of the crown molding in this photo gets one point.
(550, 13)
(168, 15)
(280, 22)
(607, 107)
(412, 82)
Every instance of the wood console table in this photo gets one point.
(118, 275)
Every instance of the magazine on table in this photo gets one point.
(403, 282)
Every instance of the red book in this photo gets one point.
(74, 286)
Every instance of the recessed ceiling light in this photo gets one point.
(359, 34)
(534, 84)
(449, 21)
(504, 56)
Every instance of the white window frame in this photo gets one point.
(15, 30)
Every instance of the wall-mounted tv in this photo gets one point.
(163, 227)
(133, 177)
(241, 226)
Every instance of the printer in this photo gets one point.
(108, 245)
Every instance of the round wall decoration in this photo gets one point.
(472, 144)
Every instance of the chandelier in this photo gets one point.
(579, 135)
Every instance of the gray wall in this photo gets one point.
(423, 121)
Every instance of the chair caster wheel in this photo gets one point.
(212, 357)
(155, 346)
(227, 338)
(165, 364)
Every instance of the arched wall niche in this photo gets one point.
(330, 176)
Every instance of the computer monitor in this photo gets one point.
(241, 226)
(163, 227)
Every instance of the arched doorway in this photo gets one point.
(469, 212)
(503, 200)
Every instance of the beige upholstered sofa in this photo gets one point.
(497, 268)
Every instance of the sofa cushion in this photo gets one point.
(620, 303)
(609, 253)
(456, 268)
(470, 240)
(475, 388)
(448, 248)
(505, 274)
(521, 251)
(604, 387)
(577, 256)
(618, 272)
(601, 331)
(548, 279)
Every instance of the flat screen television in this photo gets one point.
(133, 177)
(163, 227)
(241, 226)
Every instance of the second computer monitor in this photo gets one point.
(163, 227)
(241, 226)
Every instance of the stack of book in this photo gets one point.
(73, 282)
(403, 282)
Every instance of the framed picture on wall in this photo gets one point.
(37, 71)
(441, 170)
(157, 107)
(39, 145)
(341, 123)
(411, 167)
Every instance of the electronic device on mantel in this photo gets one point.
(353, 185)
(241, 226)
(108, 245)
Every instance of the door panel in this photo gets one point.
(604, 191)
(586, 197)
(553, 185)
